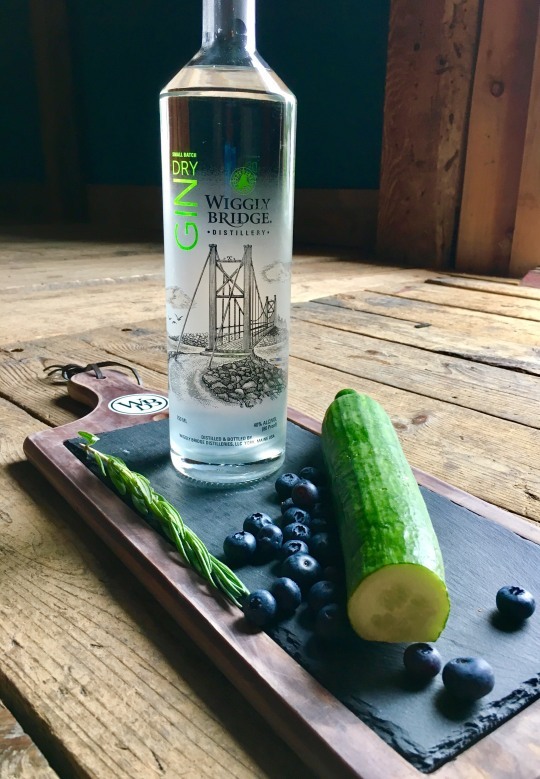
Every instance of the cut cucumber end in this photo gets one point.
(400, 603)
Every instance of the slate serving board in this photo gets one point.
(362, 719)
(421, 723)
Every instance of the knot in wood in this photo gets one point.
(497, 88)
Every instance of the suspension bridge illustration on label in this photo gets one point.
(239, 319)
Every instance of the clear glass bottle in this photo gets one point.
(228, 133)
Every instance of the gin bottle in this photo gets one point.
(228, 133)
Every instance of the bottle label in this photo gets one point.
(228, 251)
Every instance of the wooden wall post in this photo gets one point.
(496, 135)
(526, 243)
(431, 55)
(52, 52)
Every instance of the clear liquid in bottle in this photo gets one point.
(228, 159)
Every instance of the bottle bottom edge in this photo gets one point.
(225, 474)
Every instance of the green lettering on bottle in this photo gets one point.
(186, 234)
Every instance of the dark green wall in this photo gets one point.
(332, 55)
(21, 157)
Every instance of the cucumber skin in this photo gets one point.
(381, 513)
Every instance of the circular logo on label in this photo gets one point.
(139, 404)
(243, 180)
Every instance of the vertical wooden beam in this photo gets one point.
(50, 34)
(431, 54)
(526, 243)
(496, 135)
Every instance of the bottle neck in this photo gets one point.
(229, 29)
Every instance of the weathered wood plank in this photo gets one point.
(493, 391)
(499, 753)
(496, 135)
(24, 381)
(19, 757)
(526, 241)
(441, 438)
(476, 344)
(28, 272)
(459, 282)
(458, 324)
(47, 313)
(309, 282)
(113, 687)
(472, 300)
(431, 51)
(466, 448)
(60, 306)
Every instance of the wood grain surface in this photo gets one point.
(86, 282)
(489, 303)
(431, 53)
(67, 592)
(84, 648)
(470, 385)
(296, 706)
(392, 302)
(379, 316)
(276, 678)
(526, 241)
(486, 285)
(496, 135)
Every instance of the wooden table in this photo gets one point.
(95, 673)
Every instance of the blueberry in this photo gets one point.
(260, 607)
(293, 547)
(314, 475)
(515, 603)
(301, 568)
(296, 515)
(305, 494)
(287, 504)
(256, 522)
(285, 483)
(331, 622)
(239, 547)
(287, 593)
(422, 661)
(468, 678)
(319, 511)
(333, 574)
(296, 532)
(269, 540)
(321, 594)
(318, 525)
(324, 548)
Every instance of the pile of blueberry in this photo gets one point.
(468, 678)
(306, 550)
(310, 569)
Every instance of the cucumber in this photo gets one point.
(393, 564)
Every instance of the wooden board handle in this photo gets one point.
(133, 405)
(86, 388)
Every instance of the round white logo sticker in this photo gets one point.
(139, 404)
